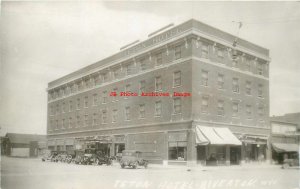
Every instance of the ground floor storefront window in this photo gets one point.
(255, 152)
(216, 155)
(178, 151)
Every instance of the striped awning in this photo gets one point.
(215, 136)
(285, 147)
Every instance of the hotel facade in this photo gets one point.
(223, 118)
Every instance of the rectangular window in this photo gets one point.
(177, 79)
(128, 69)
(142, 86)
(87, 83)
(95, 122)
(114, 98)
(127, 89)
(260, 111)
(158, 108)
(248, 87)
(248, 111)
(63, 124)
(259, 68)
(177, 52)
(178, 150)
(56, 125)
(104, 116)
(70, 106)
(260, 90)
(86, 102)
(86, 120)
(95, 99)
(177, 105)
(70, 122)
(114, 115)
(63, 107)
(220, 53)
(105, 77)
(204, 78)
(50, 128)
(221, 111)
(235, 109)
(143, 64)
(204, 51)
(57, 109)
(116, 73)
(78, 104)
(104, 97)
(220, 81)
(235, 63)
(248, 64)
(158, 59)
(142, 110)
(158, 83)
(204, 104)
(127, 113)
(235, 85)
(78, 121)
(97, 80)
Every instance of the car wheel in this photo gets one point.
(285, 165)
(122, 166)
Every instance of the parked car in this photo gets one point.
(49, 156)
(291, 162)
(132, 158)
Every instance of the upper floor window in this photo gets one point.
(248, 64)
(95, 122)
(177, 52)
(221, 111)
(114, 97)
(56, 125)
(248, 87)
(204, 78)
(158, 59)
(127, 113)
(86, 120)
(78, 121)
(97, 79)
(95, 99)
(63, 107)
(261, 111)
(142, 111)
(220, 81)
(248, 111)
(116, 73)
(177, 105)
(204, 104)
(143, 64)
(104, 116)
(86, 102)
(158, 83)
(142, 86)
(127, 89)
(70, 106)
(220, 53)
(260, 90)
(70, 122)
(78, 104)
(204, 51)
(114, 115)
(104, 97)
(87, 83)
(260, 68)
(105, 77)
(177, 79)
(158, 108)
(63, 124)
(128, 69)
(235, 109)
(235, 85)
(57, 109)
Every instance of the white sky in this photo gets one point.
(42, 41)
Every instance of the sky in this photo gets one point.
(42, 41)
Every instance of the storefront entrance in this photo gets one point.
(235, 155)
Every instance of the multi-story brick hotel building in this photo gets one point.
(225, 120)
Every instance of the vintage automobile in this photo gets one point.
(291, 162)
(132, 158)
(49, 156)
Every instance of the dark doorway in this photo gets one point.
(201, 154)
(235, 155)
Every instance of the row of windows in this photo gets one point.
(177, 109)
(235, 84)
(128, 68)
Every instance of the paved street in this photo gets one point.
(34, 174)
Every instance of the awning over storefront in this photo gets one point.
(215, 136)
(284, 147)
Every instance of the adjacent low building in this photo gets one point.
(222, 116)
(23, 145)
